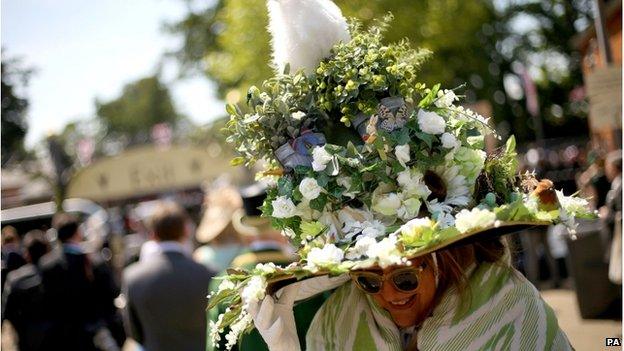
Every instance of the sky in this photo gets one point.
(83, 50)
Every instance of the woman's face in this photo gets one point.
(407, 309)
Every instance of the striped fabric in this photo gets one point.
(503, 311)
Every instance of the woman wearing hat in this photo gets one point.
(383, 186)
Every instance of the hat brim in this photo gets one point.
(250, 225)
(504, 228)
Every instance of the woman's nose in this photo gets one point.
(388, 292)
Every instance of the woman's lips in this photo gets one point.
(403, 304)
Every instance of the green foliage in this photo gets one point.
(14, 108)
(364, 70)
(141, 105)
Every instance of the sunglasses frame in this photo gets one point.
(383, 277)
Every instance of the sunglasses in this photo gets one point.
(403, 279)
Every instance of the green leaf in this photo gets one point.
(221, 296)
(319, 203)
(510, 145)
(237, 161)
(231, 110)
(311, 229)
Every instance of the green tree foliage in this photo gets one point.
(141, 105)
(474, 42)
(14, 108)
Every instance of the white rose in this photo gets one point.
(431, 122)
(402, 153)
(283, 207)
(361, 246)
(385, 252)
(386, 204)
(446, 98)
(449, 141)
(320, 158)
(474, 219)
(327, 256)
(309, 188)
(297, 115)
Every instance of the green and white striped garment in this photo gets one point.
(502, 312)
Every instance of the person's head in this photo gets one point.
(169, 222)
(410, 292)
(67, 227)
(9, 235)
(35, 245)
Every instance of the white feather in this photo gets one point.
(304, 31)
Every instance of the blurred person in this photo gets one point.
(79, 293)
(11, 257)
(264, 244)
(166, 294)
(611, 215)
(22, 300)
(221, 242)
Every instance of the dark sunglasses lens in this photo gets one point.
(369, 284)
(405, 281)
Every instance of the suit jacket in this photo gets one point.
(79, 291)
(22, 305)
(166, 302)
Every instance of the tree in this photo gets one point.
(474, 42)
(14, 108)
(142, 104)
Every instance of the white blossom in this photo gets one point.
(431, 122)
(320, 158)
(572, 204)
(327, 256)
(402, 153)
(386, 204)
(226, 285)
(446, 98)
(373, 228)
(236, 328)
(254, 291)
(474, 219)
(412, 183)
(409, 208)
(449, 141)
(309, 188)
(266, 268)
(361, 247)
(297, 115)
(385, 252)
(283, 207)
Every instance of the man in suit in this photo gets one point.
(79, 292)
(166, 292)
(22, 298)
(264, 244)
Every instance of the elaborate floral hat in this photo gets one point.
(370, 166)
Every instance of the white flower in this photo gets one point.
(361, 247)
(413, 230)
(309, 188)
(431, 122)
(320, 158)
(457, 191)
(386, 204)
(226, 285)
(327, 256)
(297, 115)
(409, 208)
(572, 204)
(402, 153)
(266, 268)
(373, 229)
(385, 252)
(283, 207)
(449, 141)
(329, 219)
(254, 291)
(446, 98)
(474, 219)
(412, 183)
(442, 213)
(236, 328)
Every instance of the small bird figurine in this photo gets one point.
(546, 195)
